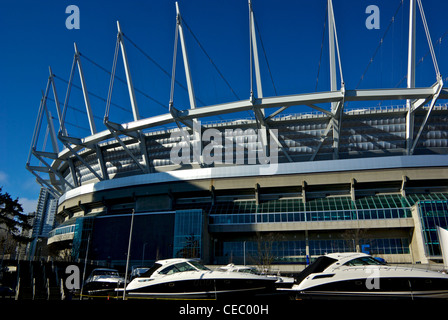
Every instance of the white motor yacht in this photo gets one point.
(360, 276)
(281, 282)
(188, 278)
(102, 281)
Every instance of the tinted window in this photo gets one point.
(148, 273)
(178, 267)
(317, 266)
(363, 261)
(198, 265)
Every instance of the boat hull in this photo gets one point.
(341, 295)
(385, 288)
(101, 288)
(203, 288)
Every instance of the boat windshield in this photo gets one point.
(178, 267)
(247, 270)
(317, 266)
(363, 261)
(148, 273)
(105, 273)
(198, 265)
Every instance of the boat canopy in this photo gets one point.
(317, 266)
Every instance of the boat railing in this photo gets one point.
(425, 266)
(409, 267)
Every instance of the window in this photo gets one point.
(363, 261)
(178, 267)
(148, 273)
(386, 246)
(187, 233)
(433, 213)
(198, 265)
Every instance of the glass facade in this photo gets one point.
(325, 209)
(83, 230)
(281, 251)
(433, 209)
(188, 234)
(62, 230)
(182, 231)
(152, 238)
(295, 251)
(385, 246)
(432, 213)
(321, 247)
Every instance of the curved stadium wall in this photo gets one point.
(367, 197)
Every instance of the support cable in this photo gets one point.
(250, 57)
(123, 81)
(111, 81)
(77, 110)
(90, 93)
(209, 58)
(173, 71)
(265, 57)
(321, 47)
(379, 44)
(428, 37)
(439, 41)
(147, 56)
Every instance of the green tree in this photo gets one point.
(13, 220)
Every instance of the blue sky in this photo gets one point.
(34, 36)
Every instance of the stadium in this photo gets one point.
(272, 188)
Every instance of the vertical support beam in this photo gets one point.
(73, 172)
(62, 131)
(333, 84)
(54, 141)
(304, 191)
(259, 112)
(212, 195)
(332, 51)
(410, 76)
(55, 95)
(307, 247)
(186, 61)
(254, 52)
(36, 130)
(257, 193)
(404, 180)
(411, 45)
(196, 142)
(101, 162)
(50, 124)
(353, 189)
(144, 151)
(135, 112)
(84, 91)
